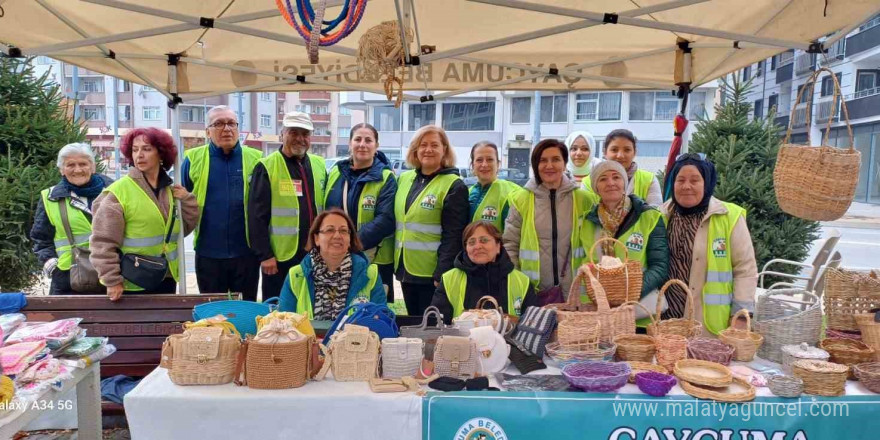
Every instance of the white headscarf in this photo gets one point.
(585, 168)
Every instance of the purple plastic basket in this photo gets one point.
(597, 376)
(654, 383)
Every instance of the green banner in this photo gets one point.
(572, 415)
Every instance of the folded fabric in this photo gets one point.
(10, 322)
(44, 369)
(12, 302)
(61, 330)
(97, 356)
(15, 358)
(84, 347)
(115, 388)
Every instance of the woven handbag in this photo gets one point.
(201, 356)
(456, 356)
(622, 282)
(817, 183)
(430, 334)
(276, 365)
(848, 293)
(353, 355)
(480, 317)
(402, 357)
(534, 329)
(612, 322)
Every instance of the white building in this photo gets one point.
(856, 63)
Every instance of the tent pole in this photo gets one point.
(649, 24)
(178, 177)
(402, 28)
(551, 31)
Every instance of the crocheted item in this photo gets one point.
(84, 347)
(7, 390)
(10, 322)
(59, 331)
(278, 331)
(15, 358)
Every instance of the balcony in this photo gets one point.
(801, 114)
(824, 110)
(784, 73)
(319, 118)
(314, 96)
(320, 139)
(835, 53)
(862, 41)
(804, 63)
(864, 103)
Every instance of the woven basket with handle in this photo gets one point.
(744, 341)
(687, 326)
(848, 293)
(622, 283)
(612, 322)
(817, 183)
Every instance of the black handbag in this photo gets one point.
(146, 271)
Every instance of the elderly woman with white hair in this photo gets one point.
(70, 202)
(581, 146)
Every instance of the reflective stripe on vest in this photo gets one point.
(80, 227)
(641, 184)
(369, 200)
(300, 288)
(455, 283)
(419, 229)
(494, 202)
(529, 248)
(200, 168)
(145, 227)
(284, 225)
(718, 289)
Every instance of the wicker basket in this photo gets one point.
(655, 384)
(687, 326)
(796, 352)
(848, 293)
(847, 352)
(785, 386)
(831, 333)
(276, 366)
(697, 372)
(638, 367)
(582, 333)
(737, 391)
(820, 377)
(670, 349)
(597, 376)
(612, 322)
(201, 356)
(710, 349)
(744, 342)
(564, 355)
(870, 332)
(784, 319)
(869, 375)
(622, 283)
(817, 183)
(635, 348)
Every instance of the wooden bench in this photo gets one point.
(137, 325)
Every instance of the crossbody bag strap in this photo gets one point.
(62, 206)
(173, 216)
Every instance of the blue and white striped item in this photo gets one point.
(535, 328)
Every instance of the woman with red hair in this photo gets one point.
(135, 219)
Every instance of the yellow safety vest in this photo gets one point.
(200, 167)
(300, 288)
(284, 224)
(529, 247)
(384, 252)
(419, 229)
(718, 289)
(145, 228)
(641, 184)
(455, 283)
(80, 227)
(635, 238)
(494, 202)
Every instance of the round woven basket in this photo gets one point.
(869, 375)
(785, 386)
(870, 332)
(670, 349)
(597, 376)
(635, 348)
(745, 342)
(687, 326)
(697, 372)
(820, 377)
(622, 283)
(564, 355)
(710, 349)
(655, 384)
(638, 367)
(795, 352)
(847, 352)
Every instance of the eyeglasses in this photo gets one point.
(694, 156)
(482, 240)
(333, 231)
(223, 125)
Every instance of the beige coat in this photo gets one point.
(108, 226)
(742, 253)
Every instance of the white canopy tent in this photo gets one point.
(189, 49)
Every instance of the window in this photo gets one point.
(265, 97)
(520, 110)
(322, 110)
(773, 63)
(148, 89)
(386, 118)
(875, 21)
(93, 112)
(343, 132)
(191, 113)
(92, 85)
(808, 95)
(747, 73)
(866, 80)
(828, 85)
(305, 108)
(41, 60)
(265, 120)
(697, 106)
(665, 106)
(761, 65)
(421, 115)
(597, 106)
(123, 86)
(554, 108)
(652, 106)
(759, 108)
(321, 131)
(772, 103)
(344, 111)
(124, 113)
(153, 113)
(786, 57)
(469, 116)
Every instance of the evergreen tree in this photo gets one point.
(33, 127)
(744, 153)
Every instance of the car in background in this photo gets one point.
(330, 161)
(398, 166)
(510, 174)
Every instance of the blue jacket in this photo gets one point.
(359, 266)
(477, 194)
(372, 233)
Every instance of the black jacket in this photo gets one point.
(454, 218)
(484, 279)
(259, 207)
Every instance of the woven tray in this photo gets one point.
(737, 391)
(704, 373)
(640, 367)
(847, 352)
(821, 378)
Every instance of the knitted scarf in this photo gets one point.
(331, 288)
(611, 221)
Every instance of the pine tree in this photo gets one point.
(33, 127)
(744, 154)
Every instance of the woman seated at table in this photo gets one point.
(627, 218)
(334, 274)
(710, 247)
(620, 146)
(483, 268)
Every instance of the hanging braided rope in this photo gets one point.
(380, 54)
(312, 27)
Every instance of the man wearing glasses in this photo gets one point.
(286, 195)
(218, 174)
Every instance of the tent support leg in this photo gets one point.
(178, 177)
